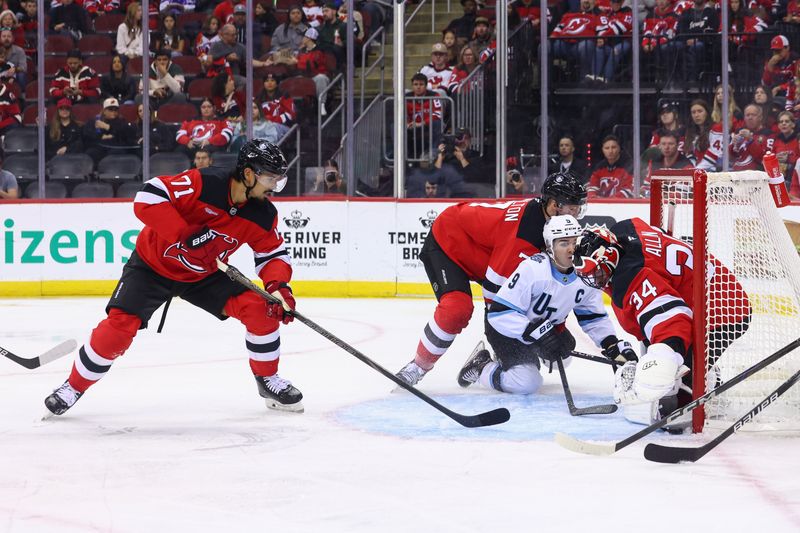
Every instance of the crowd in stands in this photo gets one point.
(198, 57)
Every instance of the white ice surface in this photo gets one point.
(175, 439)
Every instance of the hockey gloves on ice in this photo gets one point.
(283, 292)
(552, 341)
(201, 248)
(617, 350)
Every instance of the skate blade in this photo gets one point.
(286, 407)
(46, 416)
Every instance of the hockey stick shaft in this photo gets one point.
(607, 449)
(49, 356)
(673, 454)
(578, 411)
(595, 358)
(489, 418)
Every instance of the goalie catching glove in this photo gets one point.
(657, 374)
(281, 312)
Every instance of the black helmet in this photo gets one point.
(261, 156)
(565, 189)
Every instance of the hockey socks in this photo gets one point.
(450, 318)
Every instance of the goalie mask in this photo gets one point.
(596, 256)
(559, 227)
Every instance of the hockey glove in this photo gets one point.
(658, 373)
(547, 338)
(281, 312)
(201, 248)
(617, 350)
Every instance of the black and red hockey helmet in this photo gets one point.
(597, 255)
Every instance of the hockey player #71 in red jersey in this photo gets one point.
(648, 275)
(483, 242)
(190, 221)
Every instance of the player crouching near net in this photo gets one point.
(525, 321)
(648, 275)
(190, 220)
(483, 242)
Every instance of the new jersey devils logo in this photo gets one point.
(203, 132)
(224, 243)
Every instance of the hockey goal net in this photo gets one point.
(732, 217)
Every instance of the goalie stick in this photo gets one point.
(47, 357)
(674, 454)
(576, 445)
(580, 411)
(489, 418)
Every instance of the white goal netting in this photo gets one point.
(745, 232)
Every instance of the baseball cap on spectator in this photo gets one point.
(461, 132)
(64, 102)
(110, 102)
(311, 33)
(778, 42)
(239, 8)
(439, 48)
(330, 5)
(482, 20)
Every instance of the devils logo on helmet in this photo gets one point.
(597, 256)
(177, 251)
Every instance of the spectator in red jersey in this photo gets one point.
(573, 41)
(779, 68)
(463, 26)
(751, 141)
(792, 12)
(313, 12)
(97, 8)
(659, 30)
(129, 33)
(696, 145)
(69, 19)
(75, 81)
(224, 11)
(468, 62)
(10, 114)
(668, 121)
(423, 117)
(615, 46)
(63, 133)
(228, 102)
(206, 132)
(108, 133)
(276, 107)
(743, 24)
(785, 145)
(611, 177)
(310, 62)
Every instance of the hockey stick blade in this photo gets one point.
(672, 454)
(580, 411)
(489, 418)
(49, 356)
(607, 449)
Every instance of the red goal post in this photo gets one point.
(735, 214)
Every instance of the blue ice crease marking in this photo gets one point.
(535, 417)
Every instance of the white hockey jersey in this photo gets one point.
(538, 290)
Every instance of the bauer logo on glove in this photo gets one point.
(199, 247)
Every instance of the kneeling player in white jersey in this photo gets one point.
(525, 322)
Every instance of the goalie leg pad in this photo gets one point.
(451, 316)
(519, 379)
(658, 373)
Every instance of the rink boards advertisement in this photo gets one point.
(338, 248)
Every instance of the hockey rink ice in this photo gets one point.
(175, 438)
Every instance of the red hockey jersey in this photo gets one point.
(610, 181)
(488, 240)
(659, 27)
(86, 81)
(169, 204)
(651, 291)
(216, 132)
(278, 108)
(577, 24)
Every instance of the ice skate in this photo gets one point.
(471, 370)
(411, 374)
(279, 393)
(61, 400)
